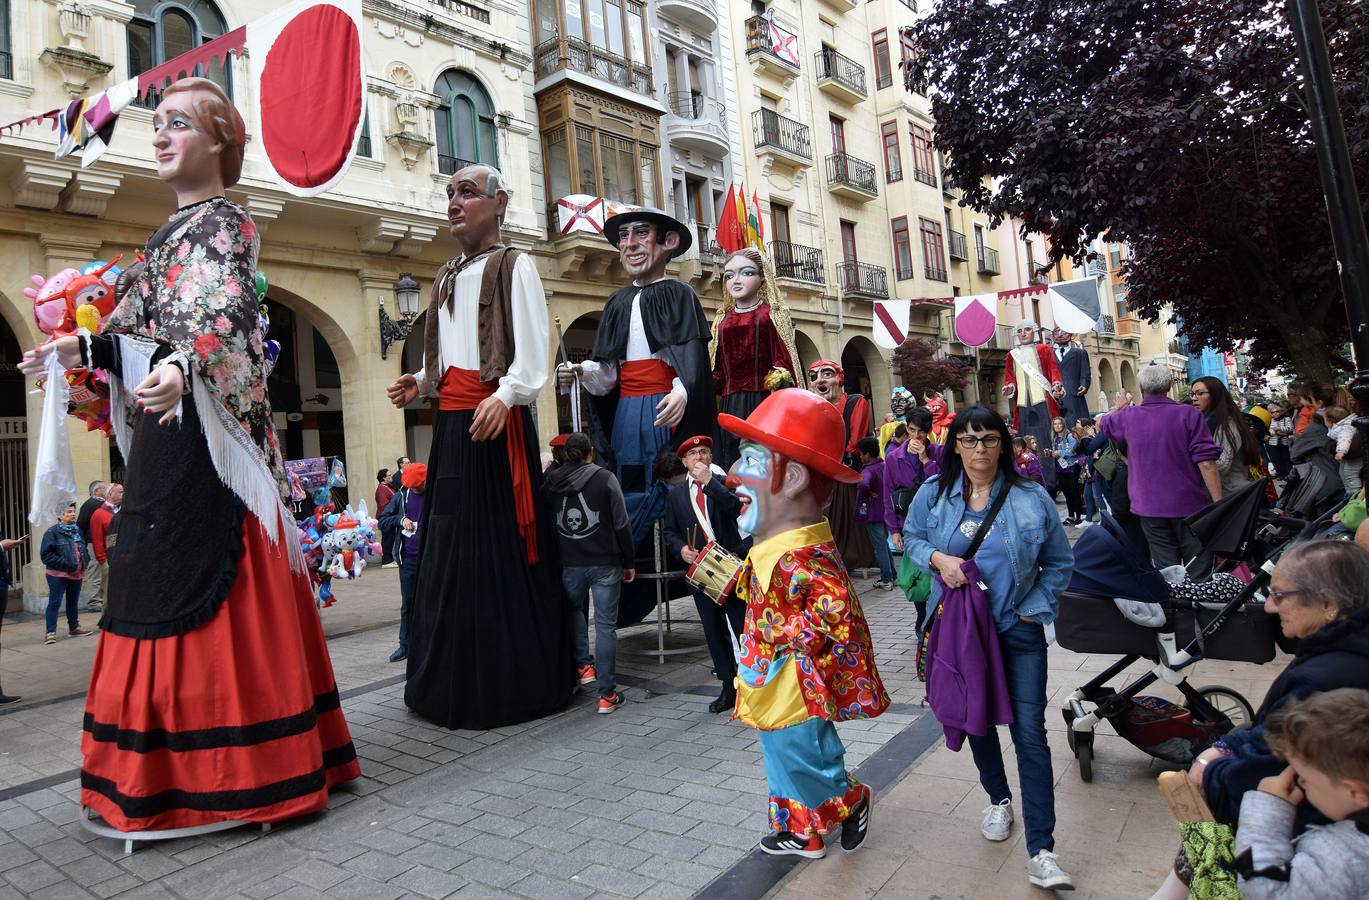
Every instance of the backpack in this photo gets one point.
(1106, 463)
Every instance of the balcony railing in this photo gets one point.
(770, 129)
(708, 248)
(903, 270)
(575, 54)
(845, 170)
(959, 247)
(1107, 325)
(688, 105)
(771, 43)
(1037, 277)
(862, 278)
(935, 270)
(924, 176)
(893, 170)
(466, 9)
(846, 72)
(987, 257)
(798, 262)
(450, 165)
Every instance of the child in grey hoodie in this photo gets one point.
(1325, 738)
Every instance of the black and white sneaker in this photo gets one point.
(785, 843)
(857, 824)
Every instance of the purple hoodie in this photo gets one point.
(871, 493)
(904, 470)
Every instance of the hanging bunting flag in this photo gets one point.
(891, 322)
(1076, 305)
(976, 319)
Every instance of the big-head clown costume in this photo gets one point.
(805, 658)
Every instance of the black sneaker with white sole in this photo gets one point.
(785, 843)
(857, 824)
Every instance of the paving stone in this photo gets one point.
(491, 823)
(552, 838)
(15, 854)
(430, 882)
(494, 847)
(614, 880)
(33, 876)
(318, 875)
(686, 874)
(359, 887)
(148, 863)
(116, 885)
(558, 865)
(65, 891)
(492, 872)
(436, 856)
(377, 865)
(540, 887)
(609, 854)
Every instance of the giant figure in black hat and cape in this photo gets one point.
(649, 375)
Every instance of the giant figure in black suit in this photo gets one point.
(698, 510)
(1074, 374)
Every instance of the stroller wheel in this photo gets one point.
(1084, 753)
(1229, 703)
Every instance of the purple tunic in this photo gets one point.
(1163, 442)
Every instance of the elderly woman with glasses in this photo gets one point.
(1024, 563)
(1320, 592)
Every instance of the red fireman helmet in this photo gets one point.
(800, 425)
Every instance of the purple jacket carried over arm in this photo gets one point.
(966, 686)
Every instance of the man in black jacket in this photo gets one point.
(701, 509)
(91, 589)
(597, 557)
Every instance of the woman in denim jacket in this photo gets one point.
(1026, 563)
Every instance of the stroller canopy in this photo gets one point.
(1226, 527)
(1107, 564)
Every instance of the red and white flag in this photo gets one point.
(891, 322)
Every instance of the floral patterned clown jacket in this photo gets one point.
(805, 651)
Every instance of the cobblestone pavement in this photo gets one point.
(657, 800)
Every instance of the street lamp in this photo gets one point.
(406, 298)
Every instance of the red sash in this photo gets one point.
(644, 377)
(463, 389)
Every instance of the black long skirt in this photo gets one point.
(489, 634)
(740, 404)
(852, 538)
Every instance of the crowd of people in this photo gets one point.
(503, 559)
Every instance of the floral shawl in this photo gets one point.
(196, 294)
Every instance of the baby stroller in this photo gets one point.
(1217, 617)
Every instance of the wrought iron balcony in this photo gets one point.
(904, 270)
(1107, 325)
(573, 53)
(798, 262)
(924, 176)
(697, 123)
(959, 247)
(851, 177)
(987, 258)
(935, 270)
(790, 140)
(863, 279)
(773, 47)
(450, 165)
(840, 75)
(709, 251)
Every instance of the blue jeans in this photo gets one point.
(70, 588)
(879, 536)
(604, 583)
(1096, 498)
(408, 571)
(1024, 663)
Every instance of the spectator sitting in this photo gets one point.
(1325, 739)
(63, 552)
(402, 518)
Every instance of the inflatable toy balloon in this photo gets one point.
(70, 299)
(261, 285)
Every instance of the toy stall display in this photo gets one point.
(335, 544)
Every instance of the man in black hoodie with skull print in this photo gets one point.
(597, 557)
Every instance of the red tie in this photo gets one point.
(699, 500)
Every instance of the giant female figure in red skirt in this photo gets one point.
(212, 697)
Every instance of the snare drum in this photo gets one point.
(715, 572)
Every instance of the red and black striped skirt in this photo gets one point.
(237, 720)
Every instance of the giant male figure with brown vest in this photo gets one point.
(489, 638)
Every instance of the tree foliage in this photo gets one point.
(915, 361)
(1176, 126)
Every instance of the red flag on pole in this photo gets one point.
(728, 224)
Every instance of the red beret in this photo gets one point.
(415, 475)
(701, 440)
(559, 440)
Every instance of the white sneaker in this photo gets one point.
(1044, 872)
(997, 821)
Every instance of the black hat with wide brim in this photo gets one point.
(654, 216)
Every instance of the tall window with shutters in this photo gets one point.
(161, 31)
(884, 75)
(924, 159)
(933, 249)
(463, 122)
(893, 161)
(903, 249)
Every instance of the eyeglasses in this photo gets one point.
(1198, 393)
(748, 272)
(990, 441)
(1276, 597)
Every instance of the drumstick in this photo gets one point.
(691, 536)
